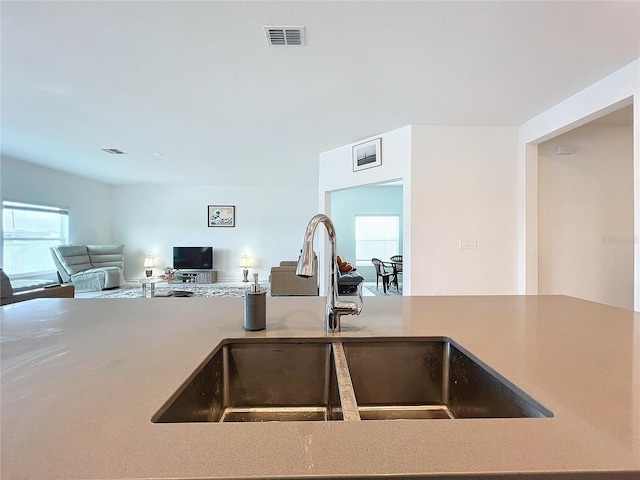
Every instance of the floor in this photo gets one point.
(370, 290)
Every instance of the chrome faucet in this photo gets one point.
(335, 308)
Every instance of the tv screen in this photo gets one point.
(197, 258)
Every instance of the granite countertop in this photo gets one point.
(81, 379)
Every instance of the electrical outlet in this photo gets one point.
(467, 244)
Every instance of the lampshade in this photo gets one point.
(245, 261)
(148, 262)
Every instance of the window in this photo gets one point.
(376, 236)
(29, 231)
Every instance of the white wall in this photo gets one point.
(88, 201)
(585, 227)
(464, 184)
(336, 166)
(346, 204)
(270, 224)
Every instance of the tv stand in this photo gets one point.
(196, 276)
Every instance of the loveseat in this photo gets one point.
(90, 267)
(284, 280)
(20, 291)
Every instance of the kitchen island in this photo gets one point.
(81, 379)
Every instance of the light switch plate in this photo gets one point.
(468, 244)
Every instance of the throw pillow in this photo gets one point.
(343, 266)
(346, 267)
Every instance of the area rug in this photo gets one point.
(391, 291)
(164, 291)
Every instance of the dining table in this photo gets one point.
(397, 268)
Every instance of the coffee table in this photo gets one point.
(151, 282)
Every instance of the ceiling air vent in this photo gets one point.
(284, 36)
(113, 151)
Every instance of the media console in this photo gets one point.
(196, 276)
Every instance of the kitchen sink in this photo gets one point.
(330, 379)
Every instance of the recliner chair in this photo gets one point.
(90, 267)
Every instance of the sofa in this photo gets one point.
(348, 277)
(285, 282)
(90, 268)
(22, 290)
(348, 282)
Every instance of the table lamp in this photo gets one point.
(148, 264)
(245, 263)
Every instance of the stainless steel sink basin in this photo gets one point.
(322, 379)
(259, 380)
(431, 378)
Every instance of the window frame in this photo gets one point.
(361, 262)
(63, 233)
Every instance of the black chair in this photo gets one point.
(397, 268)
(381, 272)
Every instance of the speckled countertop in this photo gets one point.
(81, 379)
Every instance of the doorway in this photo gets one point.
(586, 211)
(384, 199)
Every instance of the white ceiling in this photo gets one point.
(197, 82)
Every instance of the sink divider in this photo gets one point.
(446, 352)
(327, 376)
(345, 387)
(225, 377)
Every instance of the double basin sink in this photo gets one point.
(345, 379)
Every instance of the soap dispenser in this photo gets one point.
(255, 307)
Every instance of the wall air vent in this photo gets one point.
(284, 36)
(113, 151)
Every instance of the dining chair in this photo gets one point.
(381, 272)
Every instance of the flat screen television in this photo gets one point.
(193, 258)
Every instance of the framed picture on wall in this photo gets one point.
(221, 216)
(367, 155)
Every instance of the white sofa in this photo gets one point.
(90, 267)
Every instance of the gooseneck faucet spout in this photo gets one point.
(335, 308)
